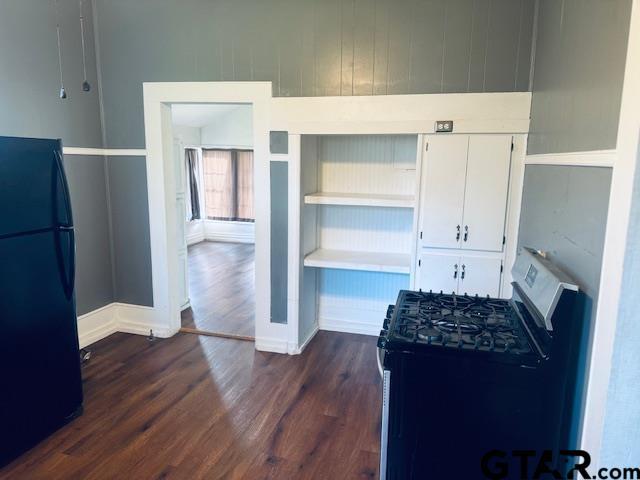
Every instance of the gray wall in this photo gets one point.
(564, 212)
(30, 107)
(621, 436)
(310, 47)
(87, 186)
(579, 68)
(130, 230)
(29, 74)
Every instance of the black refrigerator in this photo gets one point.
(40, 378)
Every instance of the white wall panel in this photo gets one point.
(356, 301)
(382, 164)
(366, 229)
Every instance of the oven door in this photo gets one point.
(384, 431)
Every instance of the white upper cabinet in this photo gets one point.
(443, 189)
(487, 186)
(464, 192)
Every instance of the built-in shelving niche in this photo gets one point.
(357, 206)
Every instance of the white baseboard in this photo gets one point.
(96, 325)
(221, 231)
(139, 320)
(273, 345)
(118, 317)
(224, 237)
(363, 321)
(348, 326)
(195, 238)
(298, 350)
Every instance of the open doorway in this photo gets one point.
(213, 150)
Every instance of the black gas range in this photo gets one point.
(437, 320)
(466, 375)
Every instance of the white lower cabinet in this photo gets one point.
(480, 275)
(470, 274)
(438, 272)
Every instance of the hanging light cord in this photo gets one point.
(85, 84)
(63, 92)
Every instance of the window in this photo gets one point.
(228, 184)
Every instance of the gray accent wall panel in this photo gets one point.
(86, 178)
(579, 68)
(279, 142)
(309, 48)
(279, 240)
(30, 79)
(130, 230)
(564, 212)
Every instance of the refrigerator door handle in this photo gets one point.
(68, 270)
(65, 188)
(72, 258)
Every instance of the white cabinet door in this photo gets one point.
(485, 200)
(480, 276)
(438, 272)
(443, 191)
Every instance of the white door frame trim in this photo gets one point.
(620, 199)
(161, 190)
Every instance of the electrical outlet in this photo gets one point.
(444, 126)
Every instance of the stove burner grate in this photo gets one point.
(455, 321)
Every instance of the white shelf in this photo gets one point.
(360, 199)
(368, 261)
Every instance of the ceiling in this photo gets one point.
(201, 115)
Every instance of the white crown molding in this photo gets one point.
(107, 152)
(594, 158)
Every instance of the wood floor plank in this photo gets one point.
(221, 288)
(197, 407)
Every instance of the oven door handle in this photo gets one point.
(380, 359)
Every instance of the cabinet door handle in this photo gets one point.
(466, 233)
(463, 272)
(455, 271)
(458, 233)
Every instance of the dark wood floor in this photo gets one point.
(221, 288)
(193, 407)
